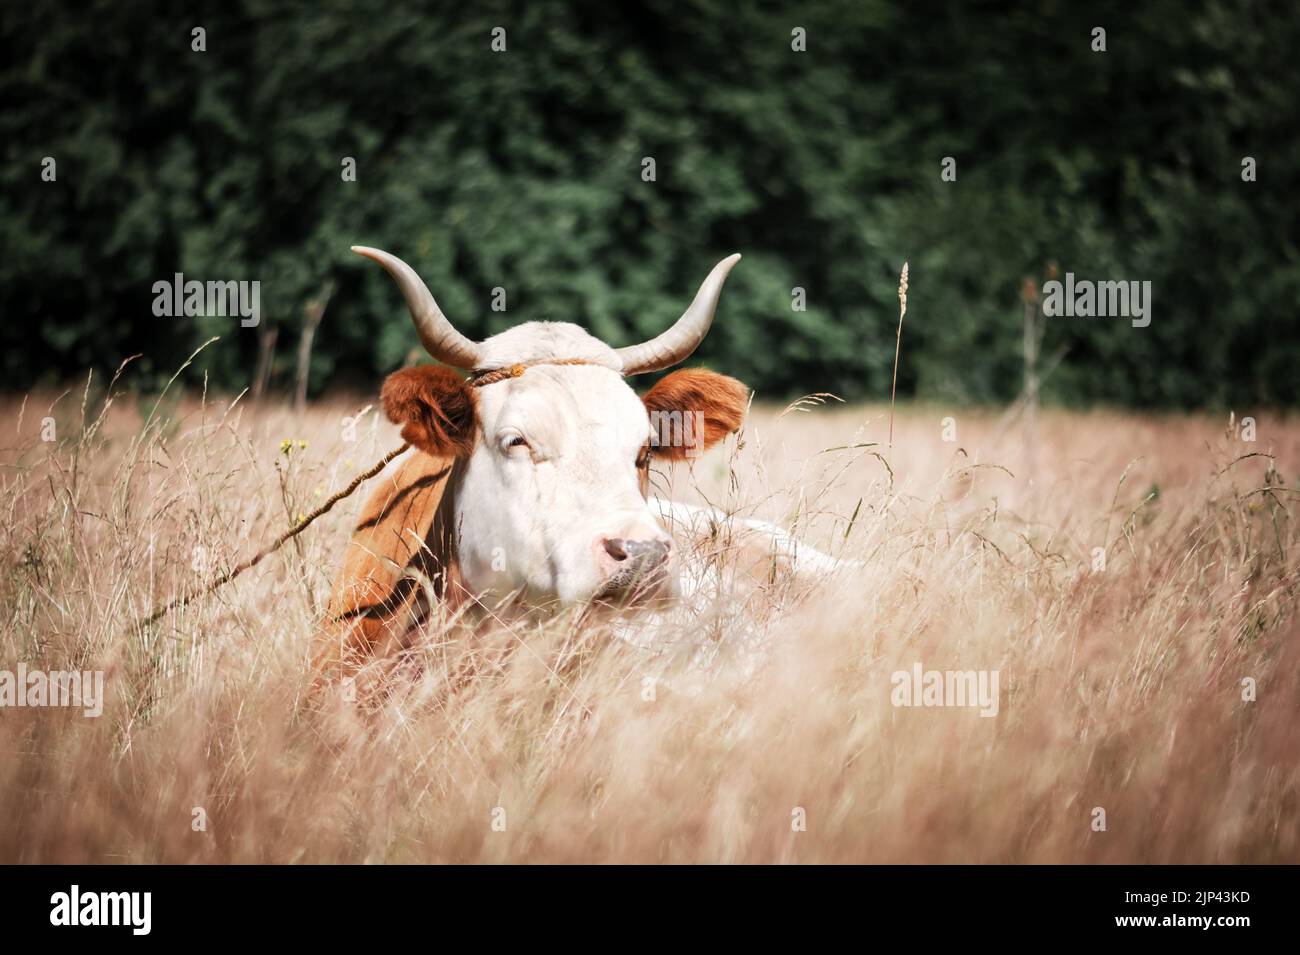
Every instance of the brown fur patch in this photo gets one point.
(435, 408)
(376, 603)
(721, 399)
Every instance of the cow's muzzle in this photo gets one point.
(641, 569)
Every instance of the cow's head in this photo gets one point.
(556, 446)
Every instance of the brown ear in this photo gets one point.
(435, 408)
(680, 400)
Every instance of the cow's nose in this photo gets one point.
(642, 553)
(635, 567)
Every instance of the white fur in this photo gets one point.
(532, 519)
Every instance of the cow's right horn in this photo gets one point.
(438, 335)
(676, 344)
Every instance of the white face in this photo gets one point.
(550, 504)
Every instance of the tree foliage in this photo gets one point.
(523, 170)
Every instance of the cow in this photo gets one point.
(527, 478)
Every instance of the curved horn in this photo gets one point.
(438, 335)
(684, 337)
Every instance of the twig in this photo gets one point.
(313, 312)
(1013, 412)
(279, 542)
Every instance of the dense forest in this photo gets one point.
(593, 161)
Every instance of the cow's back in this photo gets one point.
(401, 543)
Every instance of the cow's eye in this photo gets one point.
(514, 441)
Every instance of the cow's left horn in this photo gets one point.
(438, 335)
(684, 337)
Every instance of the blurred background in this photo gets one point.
(523, 170)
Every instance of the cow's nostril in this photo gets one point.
(646, 553)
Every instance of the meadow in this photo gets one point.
(1131, 579)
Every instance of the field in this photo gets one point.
(1131, 579)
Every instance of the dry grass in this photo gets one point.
(1120, 689)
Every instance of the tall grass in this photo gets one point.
(1121, 688)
